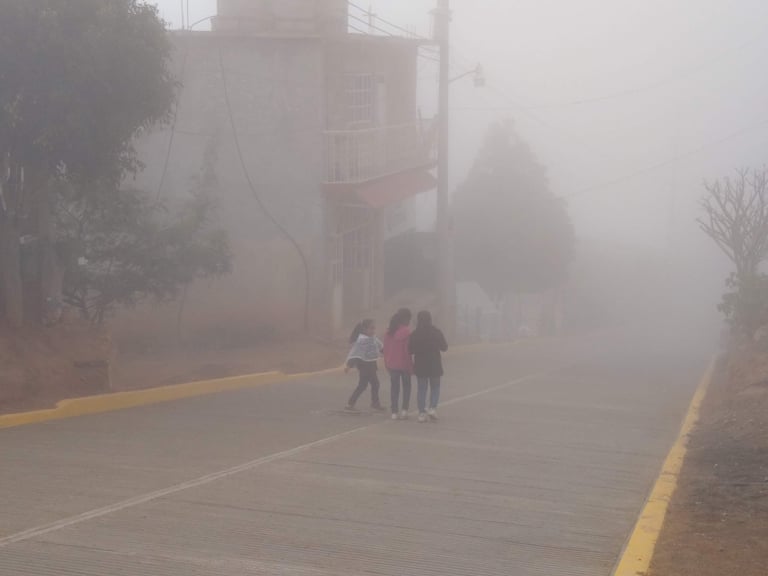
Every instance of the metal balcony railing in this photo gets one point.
(357, 156)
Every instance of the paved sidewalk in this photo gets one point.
(539, 465)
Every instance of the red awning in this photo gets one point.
(392, 190)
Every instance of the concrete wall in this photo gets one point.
(394, 64)
(277, 94)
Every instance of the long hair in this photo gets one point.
(401, 318)
(361, 328)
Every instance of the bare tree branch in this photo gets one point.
(736, 218)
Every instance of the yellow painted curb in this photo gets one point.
(88, 405)
(638, 553)
(74, 407)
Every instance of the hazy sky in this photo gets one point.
(630, 104)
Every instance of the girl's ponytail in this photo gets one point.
(356, 333)
(361, 328)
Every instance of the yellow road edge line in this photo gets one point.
(90, 405)
(638, 553)
(114, 402)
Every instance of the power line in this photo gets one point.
(371, 25)
(632, 175)
(174, 122)
(282, 229)
(527, 110)
(669, 162)
(356, 29)
(388, 23)
(681, 74)
(430, 58)
(521, 107)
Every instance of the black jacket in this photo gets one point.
(426, 345)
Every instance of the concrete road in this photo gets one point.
(539, 465)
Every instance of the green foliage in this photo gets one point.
(512, 233)
(125, 248)
(79, 79)
(736, 219)
(745, 304)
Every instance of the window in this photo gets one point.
(360, 97)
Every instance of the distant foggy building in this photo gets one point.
(332, 140)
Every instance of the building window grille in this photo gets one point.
(360, 97)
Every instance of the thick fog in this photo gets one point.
(630, 106)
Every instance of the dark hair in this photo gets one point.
(424, 319)
(360, 329)
(401, 318)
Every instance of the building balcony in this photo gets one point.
(356, 157)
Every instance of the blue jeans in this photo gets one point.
(434, 393)
(397, 378)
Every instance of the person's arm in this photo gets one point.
(348, 361)
(442, 342)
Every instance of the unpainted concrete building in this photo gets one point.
(327, 124)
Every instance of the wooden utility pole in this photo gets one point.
(445, 278)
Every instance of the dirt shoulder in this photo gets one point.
(133, 370)
(38, 368)
(717, 523)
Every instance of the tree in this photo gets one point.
(125, 248)
(736, 219)
(79, 79)
(512, 233)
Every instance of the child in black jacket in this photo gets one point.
(427, 343)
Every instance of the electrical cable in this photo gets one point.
(526, 110)
(356, 29)
(388, 23)
(371, 25)
(669, 162)
(430, 58)
(679, 75)
(282, 229)
(172, 137)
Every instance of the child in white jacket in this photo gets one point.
(364, 355)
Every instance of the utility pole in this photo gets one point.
(445, 278)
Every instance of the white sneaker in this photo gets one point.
(394, 417)
(404, 415)
(422, 417)
(432, 413)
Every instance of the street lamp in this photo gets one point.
(478, 76)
